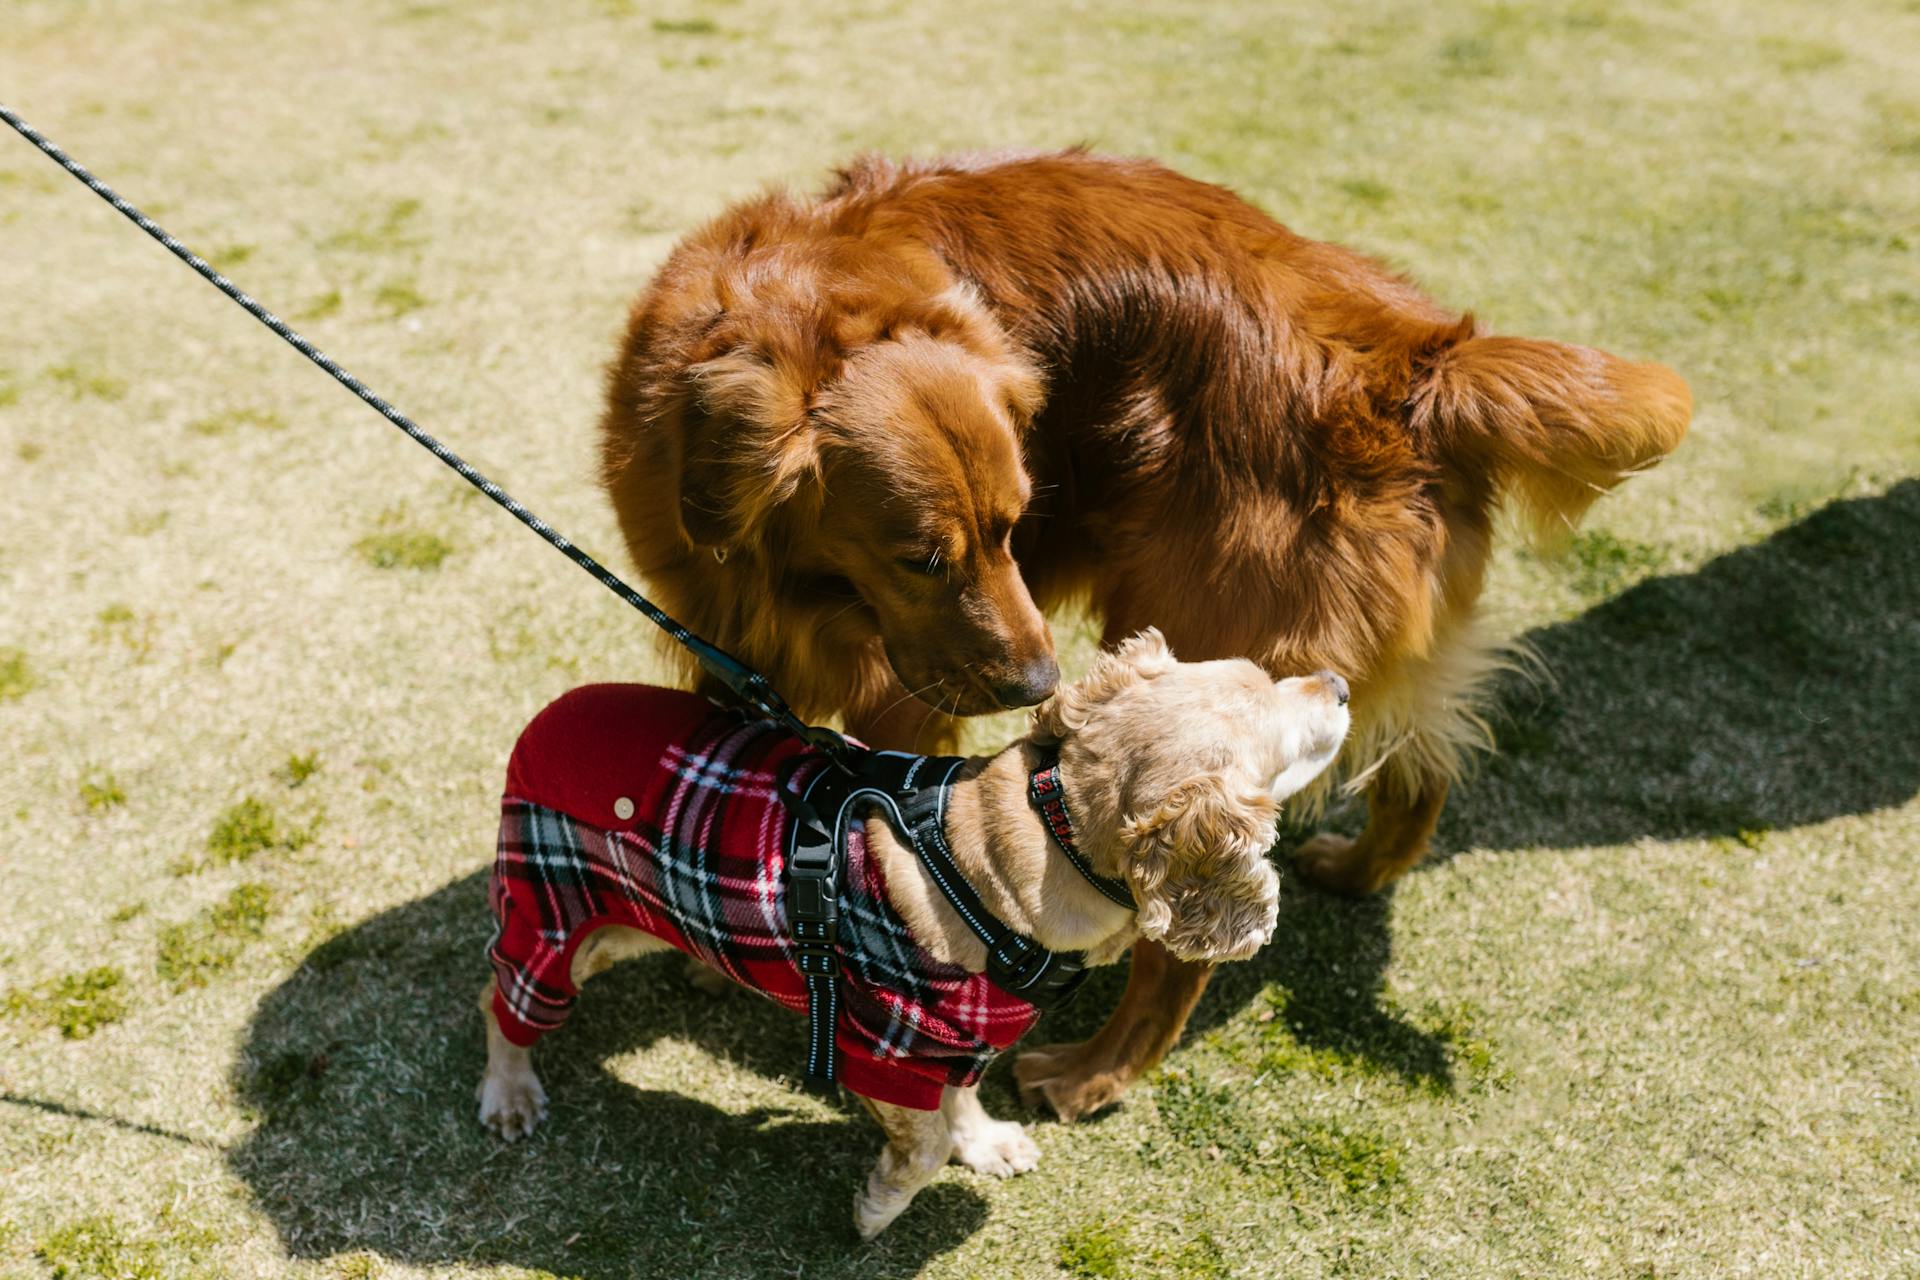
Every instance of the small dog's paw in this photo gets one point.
(707, 979)
(512, 1105)
(998, 1148)
(872, 1214)
(1326, 862)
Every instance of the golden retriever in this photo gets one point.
(866, 440)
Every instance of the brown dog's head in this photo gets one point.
(875, 470)
(1178, 771)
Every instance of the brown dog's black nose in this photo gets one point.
(1337, 683)
(1037, 679)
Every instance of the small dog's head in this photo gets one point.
(1180, 769)
(873, 456)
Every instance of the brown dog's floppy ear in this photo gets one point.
(1136, 658)
(958, 315)
(746, 443)
(1199, 870)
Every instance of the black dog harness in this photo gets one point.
(911, 794)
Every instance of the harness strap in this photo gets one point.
(911, 794)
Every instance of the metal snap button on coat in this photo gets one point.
(623, 808)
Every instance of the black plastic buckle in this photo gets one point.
(1015, 963)
(813, 944)
(813, 908)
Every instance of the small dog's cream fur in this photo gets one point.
(1174, 773)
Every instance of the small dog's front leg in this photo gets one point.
(918, 1144)
(512, 1100)
(999, 1148)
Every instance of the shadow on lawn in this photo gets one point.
(363, 1064)
(1774, 687)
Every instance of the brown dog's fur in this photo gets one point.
(829, 414)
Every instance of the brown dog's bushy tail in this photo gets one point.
(1557, 425)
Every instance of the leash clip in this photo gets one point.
(752, 688)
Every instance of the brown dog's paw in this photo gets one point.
(1055, 1075)
(1327, 863)
(511, 1105)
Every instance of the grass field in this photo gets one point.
(1653, 1011)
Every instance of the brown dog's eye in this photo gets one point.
(926, 566)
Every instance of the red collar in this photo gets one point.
(1049, 792)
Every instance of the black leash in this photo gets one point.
(743, 681)
(904, 787)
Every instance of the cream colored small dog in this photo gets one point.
(1175, 773)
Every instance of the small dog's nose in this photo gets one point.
(1335, 683)
(1037, 679)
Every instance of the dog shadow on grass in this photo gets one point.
(362, 1065)
(1774, 687)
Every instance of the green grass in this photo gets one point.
(1600, 563)
(1321, 1159)
(100, 792)
(248, 827)
(193, 952)
(16, 676)
(82, 383)
(321, 306)
(220, 424)
(396, 298)
(97, 1249)
(390, 232)
(1093, 1252)
(1649, 1011)
(77, 1005)
(299, 768)
(404, 549)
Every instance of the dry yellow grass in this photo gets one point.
(1651, 1014)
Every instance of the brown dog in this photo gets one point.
(865, 440)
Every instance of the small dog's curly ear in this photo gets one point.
(1138, 657)
(1199, 870)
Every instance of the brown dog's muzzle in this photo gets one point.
(982, 688)
(1034, 683)
(984, 649)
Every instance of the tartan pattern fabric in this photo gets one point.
(700, 864)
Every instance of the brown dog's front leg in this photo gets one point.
(1400, 823)
(1076, 1079)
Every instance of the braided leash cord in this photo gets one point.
(736, 675)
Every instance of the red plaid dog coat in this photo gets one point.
(652, 808)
